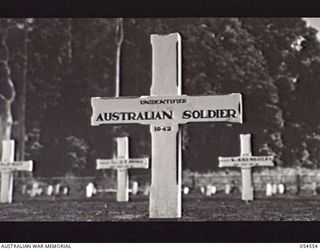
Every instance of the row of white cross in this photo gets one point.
(245, 161)
(164, 111)
(122, 163)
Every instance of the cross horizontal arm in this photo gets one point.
(249, 161)
(16, 166)
(122, 163)
(177, 109)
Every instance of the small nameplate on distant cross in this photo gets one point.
(122, 163)
(246, 161)
(18, 165)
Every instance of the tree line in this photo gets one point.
(50, 68)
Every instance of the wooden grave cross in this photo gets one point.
(7, 166)
(246, 162)
(164, 111)
(122, 163)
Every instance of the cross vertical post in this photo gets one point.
(165, 190)
(122, 174)
(7, 175)
(246, 173)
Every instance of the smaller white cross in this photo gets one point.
(246, 161)
(7, 166)
(122, 163)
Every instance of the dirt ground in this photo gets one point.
(195, 208)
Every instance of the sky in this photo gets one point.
(315, 23)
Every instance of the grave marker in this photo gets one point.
(281, 188)
(214, 189)
(246, 161)
(186, 190)
(65, 191)
(269, 189)
(227, 188)
(314, 188)
(35, 190)
(146, 190)
(90, 190)
(7, 166)
(165, 110)
(24, 189)
(50, 190)
(135, 188)
(209, 190)
(57, 188)
(122, 163)
(274, 188)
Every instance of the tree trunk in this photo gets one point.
(22, 108)
(70, 40)
(119, 41)
(6, 119)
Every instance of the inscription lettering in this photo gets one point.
(200, 114)
(163, 101)
(127, 116)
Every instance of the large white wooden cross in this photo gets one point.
(7, 166)
(246, 161)
(122, 163)
(164, 110)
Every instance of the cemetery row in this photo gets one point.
(284, 182)
(122, 163)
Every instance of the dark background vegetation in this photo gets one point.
(273, 62)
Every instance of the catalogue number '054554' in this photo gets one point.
(308, 245)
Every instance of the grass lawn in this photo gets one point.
(195, 208)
